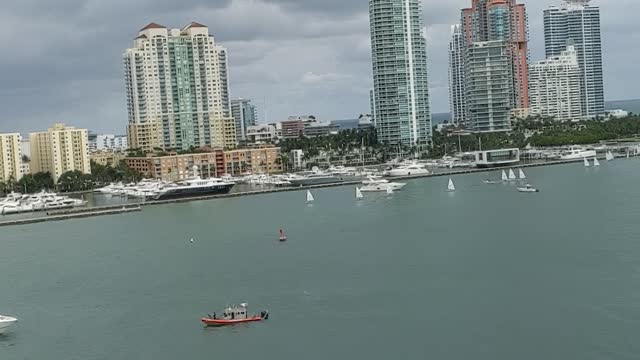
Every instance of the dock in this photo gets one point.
(68, 215)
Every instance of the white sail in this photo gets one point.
(451, 186)
(504, 176)
(512, 175)
(389, 190)
(309, 196)
(521, 174)
(609, 156)
(359, 193)
(596, 162)
(586, 162)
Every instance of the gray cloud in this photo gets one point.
(61, 60)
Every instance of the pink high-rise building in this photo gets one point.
(502, 20)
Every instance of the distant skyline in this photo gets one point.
(61, 61)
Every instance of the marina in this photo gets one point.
(344, 268)
(252, 191)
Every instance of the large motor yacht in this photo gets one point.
(409, 170)
(577, 153)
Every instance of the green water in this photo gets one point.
(482, 273)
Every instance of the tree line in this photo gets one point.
(71, 181)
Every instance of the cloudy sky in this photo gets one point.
(60, 61)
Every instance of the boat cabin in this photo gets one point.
(235, 313)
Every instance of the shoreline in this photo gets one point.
(134, 207)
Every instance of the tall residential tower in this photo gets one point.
(457, 98)
(401, 90)
(177, 89)
(577, 24)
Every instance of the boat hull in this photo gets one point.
(396, 173)
(6, 323)
(220, 322)
(203, 191)
(315, 181)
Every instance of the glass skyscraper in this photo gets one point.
(577, 24)
(401, 90)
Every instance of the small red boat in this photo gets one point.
(234, 315)
(283, 237)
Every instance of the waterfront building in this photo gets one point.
(457, 95)
(577, 23)
(210, 163)
(504, 20)
(104, 142)
(261, 160)
(262, 134)
(177, 89)
(60, 149)
(11, 166)
(245, 115)
(401, 91)
(107, 157)
(488, 86)
(174, 167)
(555, 87)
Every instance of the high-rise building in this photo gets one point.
(59, 150)
(401, 91)
(457, 98)
(555, 87)
(488, 76)
(10, 157)
(245, 115)
(502, 20)
(577, 24)
(177, 89)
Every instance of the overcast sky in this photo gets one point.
(60, 61)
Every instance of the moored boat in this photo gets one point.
(234, 315)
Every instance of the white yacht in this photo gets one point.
(193, 188)
(409, 170)
(577, 153)
(6, 322)
(373, 185)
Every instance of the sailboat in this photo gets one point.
(359, 194)
(521, 175)
(310, 198)
(504, 176)
(596, 162)
(451, 187)
(586, 162)
(609, 156)
(512, 175)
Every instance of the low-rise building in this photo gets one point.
(213, 163)
(60, 149)
(292, 129)
(314, 129)
(107, 158)
(10, 157)
(104, 142)
(175, 167)
(262, 160)
(262, 134)
(296, 159)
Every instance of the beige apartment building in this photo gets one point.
(215, 163)
(60, 149)
(10, 157)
